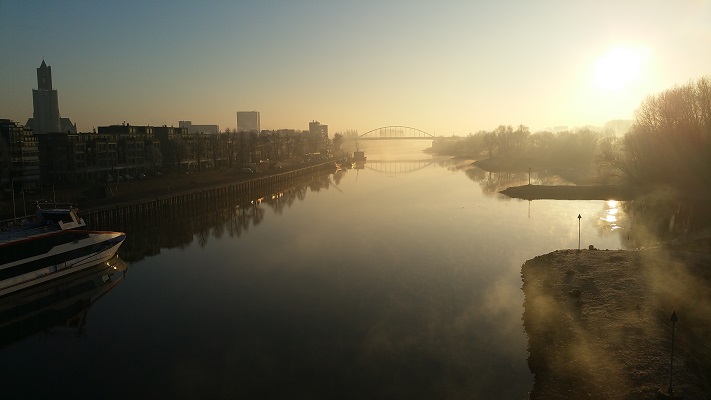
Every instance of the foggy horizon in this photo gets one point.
(449, 69)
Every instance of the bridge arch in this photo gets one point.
(395, 132)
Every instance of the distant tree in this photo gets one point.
(253, 144)
(541, 144)
(669, 142)
(314, 140)
(337, 141)
(178, 150)
(520, 139)
(156, 157)
(350, 134)
(490, 143)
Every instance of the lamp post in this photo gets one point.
(579, 217)
(12, 186)
(673, 320)
(529, 175)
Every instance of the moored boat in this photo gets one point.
(359, 156)
(59, 304)
(55, 242)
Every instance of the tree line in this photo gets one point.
(668, 143)
(517, 149)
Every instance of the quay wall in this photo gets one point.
(172, 206)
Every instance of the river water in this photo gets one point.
(397, 280)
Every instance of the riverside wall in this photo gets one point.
(145, 210)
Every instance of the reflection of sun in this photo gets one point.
(611, 210)
(619, 67)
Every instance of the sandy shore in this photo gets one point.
(599, 325)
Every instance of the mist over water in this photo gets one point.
(398, 280)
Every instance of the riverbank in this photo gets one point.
(599, 325)
(89, 197)
(605, 192)
(572, 192)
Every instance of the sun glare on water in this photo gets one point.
(619, 68)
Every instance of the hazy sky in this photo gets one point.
(446, 67)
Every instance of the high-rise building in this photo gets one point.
(45, 117)
(45, 101)
(248, 121)
(316, 128)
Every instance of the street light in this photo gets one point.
(579, 217)
(673, 320)
(529, 175)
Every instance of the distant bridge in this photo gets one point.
(396, 133)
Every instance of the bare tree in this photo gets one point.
(670, 141)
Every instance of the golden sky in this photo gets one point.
(446, 67)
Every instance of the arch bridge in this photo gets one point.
(396, 133)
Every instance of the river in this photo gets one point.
(397, 280)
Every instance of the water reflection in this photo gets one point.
(178, 225)
(645, 222)
(397, 167)
(611, 214)
(379, 288)
(494, 182)
(656, 220)
(58, 305)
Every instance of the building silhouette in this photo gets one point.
(317, 128)
(45, 101)
(19, 157)
(248, 121)
(204, 129)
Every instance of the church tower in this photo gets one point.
(45, 117)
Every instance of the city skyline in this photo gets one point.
(446, 68)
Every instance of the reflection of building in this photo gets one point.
(19, 159)
(248, 121)
(45, 117)
(204, 129)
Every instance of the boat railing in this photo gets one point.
(44, 204)
(17, 228)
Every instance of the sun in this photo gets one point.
(619, 68)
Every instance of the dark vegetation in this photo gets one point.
(669, 145)
(570, 153)
(670, 142)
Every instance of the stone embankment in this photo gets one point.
(111, 195)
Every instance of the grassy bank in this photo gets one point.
(599, 325)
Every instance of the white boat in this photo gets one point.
(52, 244)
